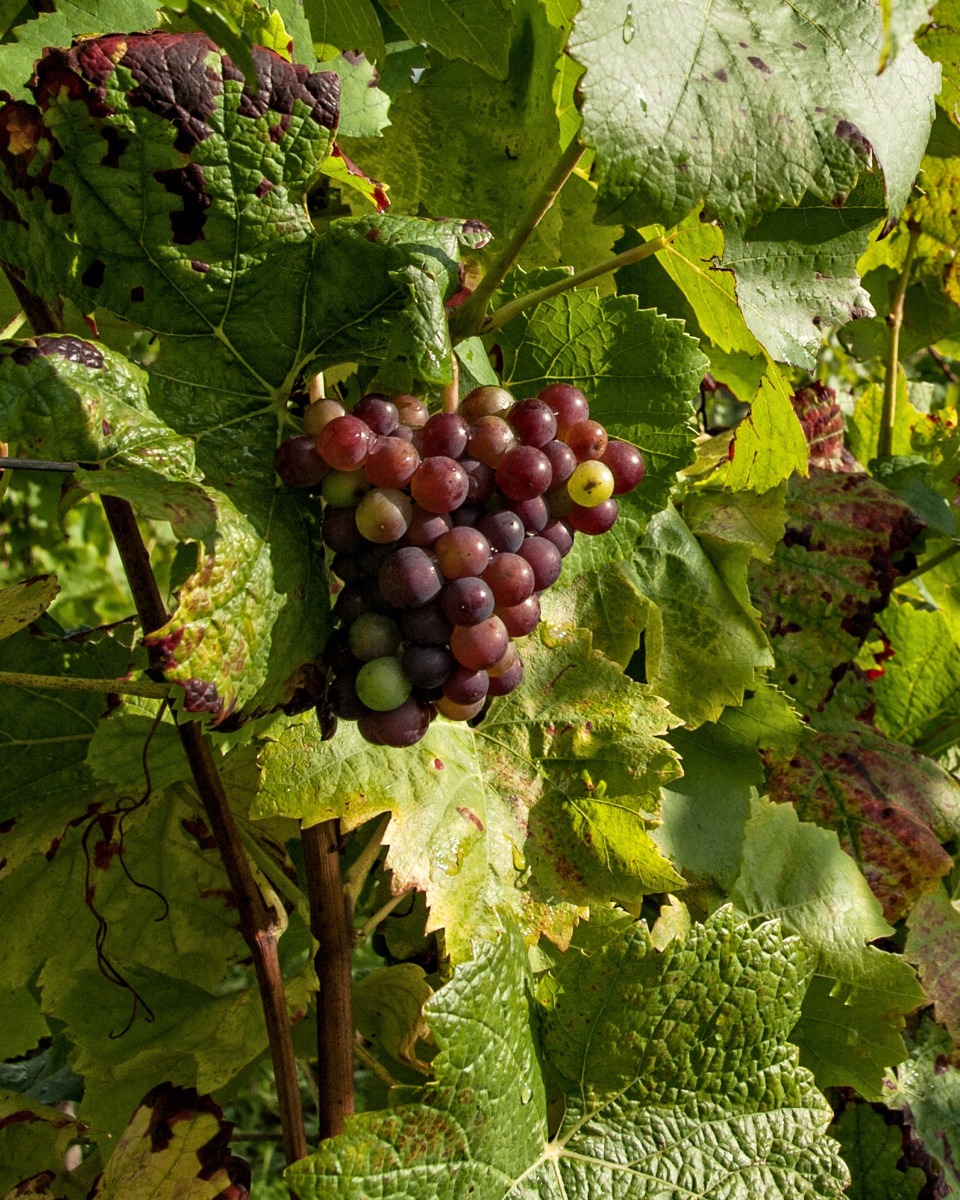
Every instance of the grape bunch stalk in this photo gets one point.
(444, 530)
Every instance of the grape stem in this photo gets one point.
(356, 875)
(894, 324)
(450, 396)
(72, 683)
(469, 317)
(381, 914)
(512, 308)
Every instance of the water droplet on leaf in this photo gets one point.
(629, 29)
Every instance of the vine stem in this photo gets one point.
(469, 317)
(330, 924)
(381, 914)
(451, 393)
(894, 323)
(930, 565)
(73, 683)
(509, 310)
(258, 922)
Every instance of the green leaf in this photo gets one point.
(872, 1149)
(33, 1140)
(346, 24)
(388, 1009)
(863, 425)
(830, 575)
(912, 479)
(891, 806)
(768, 444)
(478, 31)
(916, 688)
(363, 105)
(850, 1028)
(190, 1158)
(695, 1086)
(24, 602)
(927, 1091)
(753, 69)
(639, 371)
(941, 43)
(933, 944)
(796, 272)
(702, 649)
(607, 601)
(542, 807)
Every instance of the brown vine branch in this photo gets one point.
(330, 923)
(42, 316)
(257, 921)
(894, 323)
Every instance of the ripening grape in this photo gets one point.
(563, 461)
(374, 635)
(524, 473)
(398, 727)
(461, 552)
(510, 579)
(545, 560)
(626, 463)
(382, 685)
(568, 402)
(534, 422)
(319, 414)
(427, 666)
(520, 619)
(458, 712)
(377, 411)
(344, 489)
(408, 578)
(590, 484)
(444, 435)
(466, 601)
(587, 439)
(390, 462)
(490, 438)
(383, 515)
(593, 520)
(479, 646)
(344, 443)
(439, 484)
(501, 685)
(503, 530)
(298, 463)
(465, 686)
(485, 401)
(412, 411)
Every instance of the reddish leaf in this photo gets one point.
(933, 945)
(844, 546)
(822, 423)
(891, 807)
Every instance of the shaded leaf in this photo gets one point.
(872, 1150)
(927, 1091)
(477, 31)
(891, 807)
(388, 1009)
(346, 24)
(933, 944)
(25, 601)
(794, 99)
(33, 1140)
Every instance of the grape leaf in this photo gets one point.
(606, 601)
(475, 30)
(176, 1144)
(872, 1149)
(388, 1007)
(891, 806)
(863, 424)
(933, 944)
(702, 649)
(25, 601)
(346, 24)
(927, 1091)
(639, 371)
(941, 43)
(34, 1138)
(768, 445)
(916, 687)
(796, 273)
(794, 98)
(694, 1090)
(543, 806)
(850, 1028)
(830, 575)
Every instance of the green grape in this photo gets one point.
(590, 484)
(382, 685)
(344, 489)
(373, 635)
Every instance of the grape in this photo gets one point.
(501, 685)
(444, 435)
(344, 443)
(559, 533)
(426, 625)
(593, 520)
(373, 635)
(545, 559)
(350, 603)
(298, 464)
(408, 578)
(479, 646)
(568, 402)
(559, 503)
(465, 686)
(590, 484)
(503, 530)
(346, 567)
(520, 619)
(466, 514)
(340, 531)
(534, 422)
(510, 656)
(461, 552)
(626, 463)
(533, 513)
(458, 712)
(405, 433)
(399, 727)
(382, 685)
(490, 438)
(439, 484)
(343, 697)
(481, 481)
(467, 601)
(524, 473)
(321, 413)
(390, 462)
(587, 439)
(426, 527)
(563, 461)
(510, 579)
(370, 559)
(412, 411)
(383, 515)
(378, 412)
(427, 666)
(344, 489)
(485, 401)
(337, 655)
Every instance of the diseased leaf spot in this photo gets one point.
(116, 144)
(721, 75)
(137, 295)
(262, 188)
(188, 183)
(848, 132)
(761, 66)
(73, 349)
(200, 267)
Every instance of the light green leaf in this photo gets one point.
(24, 602)
(388, 1009)
(850, 1028)
(346, 24)
(702, 649)
(916, 693)
(495, 817)
(941, 43)
(363, 105)
(768, 443)
(606, 601)
(863, 425)
(683, 1078)
(794, 100)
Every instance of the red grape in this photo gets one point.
(344, 443)
(439, 484)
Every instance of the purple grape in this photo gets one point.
(559, 533)
(298, 463)
(408, 578)
(534, 422)
(427, 666)
(466, 601)
(444, 436)
(426, 625)
(398, 727)
(503, 530)
(379, 412)
(510, 579)
(545, 559)
(626, 463)
(439, 484)
(593, 521)
(465, 686)
(340, 531)
(524, 473)
(533, 513)
(563, 461)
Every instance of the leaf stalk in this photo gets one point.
(894, 323)
(73, 683)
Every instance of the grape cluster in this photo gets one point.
(444, 530)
